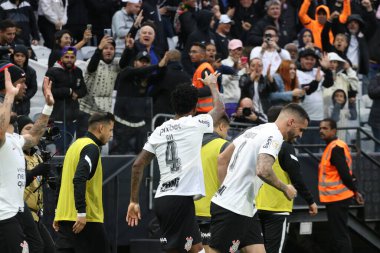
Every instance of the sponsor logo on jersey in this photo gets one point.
(204, 122)
(235, 246)
(169, 128)
(189, 243)
(171, 185)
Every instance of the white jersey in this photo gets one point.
(241, 184)
(177, 146)
(12, 176)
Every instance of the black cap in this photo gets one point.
(143, 55)
(15, 72)
(308, 52)
(22, 121)
(356, 17)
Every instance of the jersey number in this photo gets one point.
(172, 159)
(232, 166)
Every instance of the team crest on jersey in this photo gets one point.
(25, 247)
(189, 243)
(235, 246)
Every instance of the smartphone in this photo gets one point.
(108, 32)
(89, 27)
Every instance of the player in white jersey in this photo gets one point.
(242, 166)
(12, 165)
(177, 146)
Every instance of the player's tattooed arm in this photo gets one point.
(5, 115)
(36, 132)
(142, 160)
(265, 172)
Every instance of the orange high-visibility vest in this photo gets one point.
(204, 104)
(330, 185)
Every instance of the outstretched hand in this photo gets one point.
(210, 79)
(49, 99)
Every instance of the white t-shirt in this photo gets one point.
(238, 190)
(177, 146)
(313, 103)
(12, 176)
(273, 58)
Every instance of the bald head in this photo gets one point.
(246, 103)
(174, 55)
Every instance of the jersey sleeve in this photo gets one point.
(205, 123)
(20, 139)
(272, 145)
(149, 147)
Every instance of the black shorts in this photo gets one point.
(204, 227)
(178, 225)
(231, 231)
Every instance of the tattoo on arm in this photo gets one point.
(265, 172)
(36, 132)
(142, 160)
(5, 116)
(218, 103)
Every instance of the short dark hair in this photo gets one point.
(270, 27)
(6, 23)
(198, 44)
(296, 109)
(184, 98)
(331, 122)
(101, 117)
(273, 112)
(223, 119)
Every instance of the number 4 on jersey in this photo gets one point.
(172, 159)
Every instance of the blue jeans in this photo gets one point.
(67, 135)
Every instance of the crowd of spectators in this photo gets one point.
(323, 55)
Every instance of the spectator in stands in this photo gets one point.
(322, 13)
(345, 79)
(132, 107)
(293, 51)
(269, 51)
(201, 34)
(185, 21)
(63, 38)
(203, 68)
(67, 86)
(145, 43)
(77, 20)
(222, 35)
(247, 13)
(123, 20)
(230, 83)
(247, 113)
(7, 33)
(272, 18)
(52, 16)
(313, 80)
(374, 116)
(288, 86)
(257, 87)
(359, 33)
(20, 58)
(166, 81)
(374, 53)
(100, 77)
(306, 40)
(20, 12)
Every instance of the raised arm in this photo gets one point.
(265, 172)
(39, 126)
(142, 160)
(6, 106)
(218, 110)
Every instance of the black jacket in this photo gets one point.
(374, 93)
(23, 107)
(265, 88)
(65, 108)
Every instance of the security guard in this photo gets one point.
(79, 215)
(336, 185)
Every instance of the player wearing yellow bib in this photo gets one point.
(79, 214)
(212, 145)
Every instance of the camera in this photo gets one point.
(247, 111)
(52, 134)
